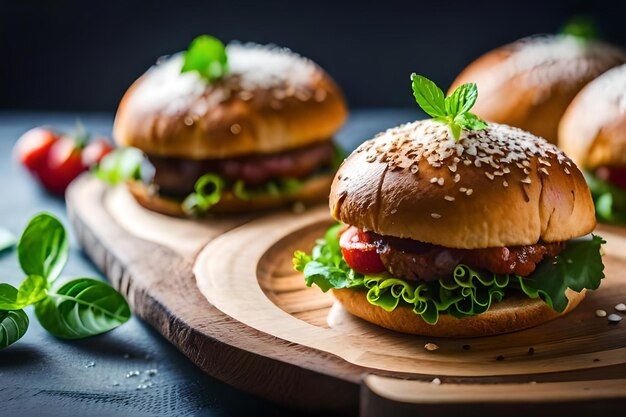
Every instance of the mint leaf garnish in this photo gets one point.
(582, 27)
(452, 110)
(207, 56)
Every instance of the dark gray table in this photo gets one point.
(43, 376)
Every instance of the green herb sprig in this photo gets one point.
(80, 308)
(453, 110)
(207, 56)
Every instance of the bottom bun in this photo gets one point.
(313, 190)
(514, 313)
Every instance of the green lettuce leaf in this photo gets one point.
(467, 292)
(609, 199)
(209, 188)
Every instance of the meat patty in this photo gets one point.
(412, 260)
(177, 176)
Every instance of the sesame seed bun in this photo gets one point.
(313, 190)
(496, 187)
(593, 129)
(512, 314)
(272, 100)
(530, 83)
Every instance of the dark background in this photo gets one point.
(79, 55)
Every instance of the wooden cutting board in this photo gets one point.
(224, 292)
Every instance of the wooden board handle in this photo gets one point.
(390, 396)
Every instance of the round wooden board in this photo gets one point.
(252, 322)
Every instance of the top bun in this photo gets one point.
(530, 83)
(593, 129)
(496, 187)
(272, 100)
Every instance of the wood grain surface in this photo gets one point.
(251, 322)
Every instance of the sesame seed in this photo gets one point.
(235, 129)
(414, 169)
(431, 347)
(505, 183)
(621, 307)
(544, 162)
(489, 175)
(498, 173)
(435, 215)
(526, 163)
(440, 181)
(600, 313)
(545, 171)
(457, 178)
(469, 191)
(526, 171)
(467, 162)
(506, 170)
(394, 211)
(526, 180)
(436, 381)
(433, 180)
(449, 198)
(566, 171)
(477, 163)
(452, 168)
(462, 189)
(614, 318)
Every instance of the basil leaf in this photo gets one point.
(470, 121)
(7, 239)
(81, 308)
(13, 325)
(43, 248)
(32, 290)
(207, 56)
(8, 297)
(461, 100)
(120, 165)
(429, 97)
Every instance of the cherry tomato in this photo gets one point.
(614, 175)
(359, 251)
(95, 151)
(32, 147)
(62, 165)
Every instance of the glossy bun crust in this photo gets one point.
(271, 101)
(511, 314)
(314, 190)
(593, 129)
(496, 187)
(530, 83)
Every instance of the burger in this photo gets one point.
(230, 128)
(453, 227)
(593, 133)
(529, 83)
